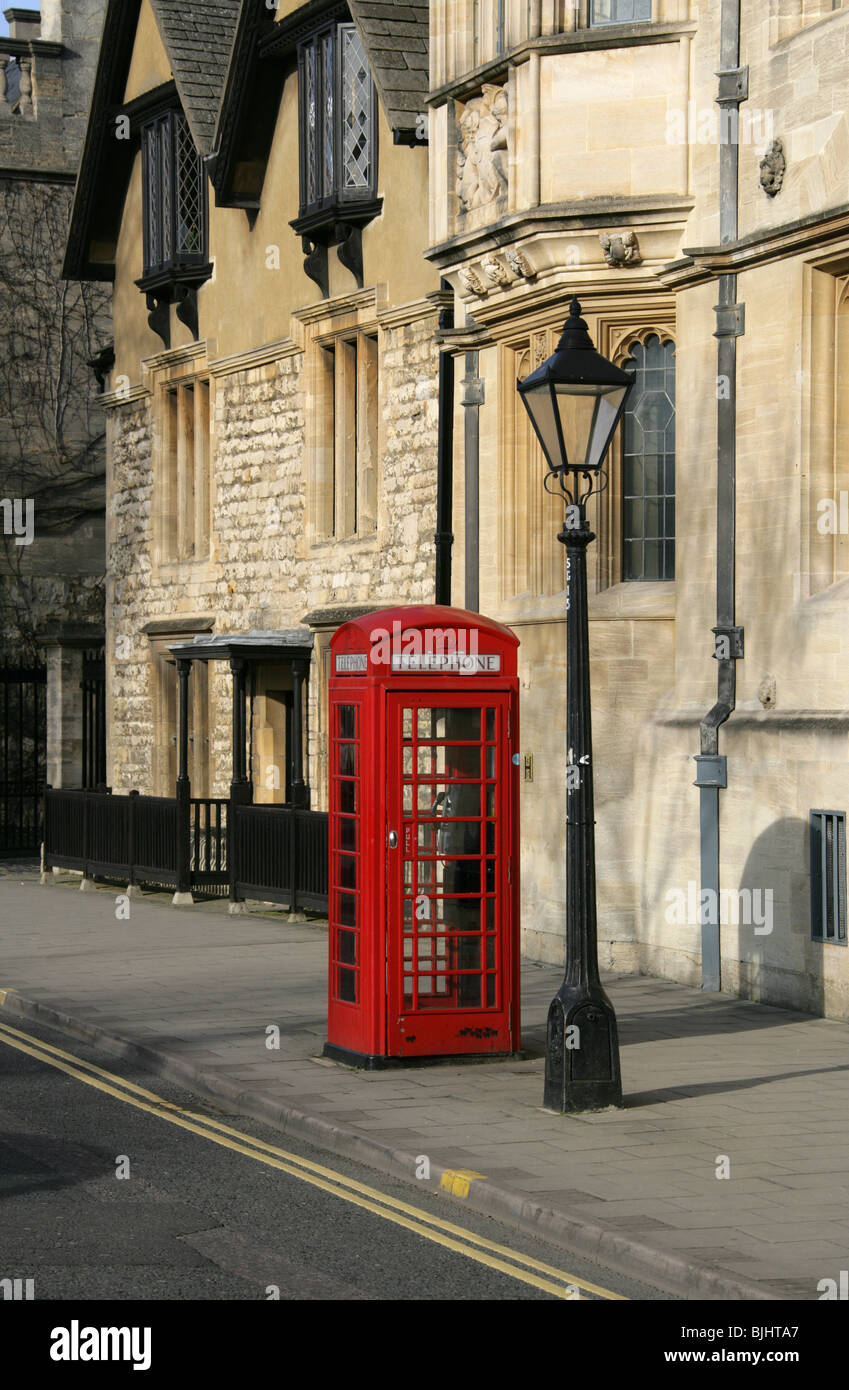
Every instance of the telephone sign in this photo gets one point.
(424, 849)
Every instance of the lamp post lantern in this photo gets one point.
(575, 401)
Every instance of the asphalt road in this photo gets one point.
(106, 1193)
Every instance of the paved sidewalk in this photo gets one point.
(704, 1076)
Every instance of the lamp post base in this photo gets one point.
(582, 1051)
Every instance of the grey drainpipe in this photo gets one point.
(472, 401)
(711, 772)
(444, 537)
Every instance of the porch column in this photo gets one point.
(238, 666)
(240, 787)
(63, 657)
(300, 790)
(184, 670)
(183, 895)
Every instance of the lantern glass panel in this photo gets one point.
(609, 405)
(577, 408)
(540, 404)
(587, 415)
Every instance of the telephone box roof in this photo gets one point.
(415, 617)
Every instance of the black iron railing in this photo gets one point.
(208, 844)
(23, 729)
(279, 854)
(93, 686)
(135, 838)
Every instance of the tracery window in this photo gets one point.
(174, 196)
(338, 121)
(648, 463)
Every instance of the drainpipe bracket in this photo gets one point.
(728, 644)
(711, 770)
(472, 392)
(730, 320)
(733, 86)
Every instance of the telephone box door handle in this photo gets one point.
(393, 840)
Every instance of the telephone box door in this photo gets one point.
(449, 896)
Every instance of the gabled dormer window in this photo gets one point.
(174, 196)
(174, 212)
(338, 147)
(620, 11)
(337, 121)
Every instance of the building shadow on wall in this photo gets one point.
(768, 956)
(784, 966)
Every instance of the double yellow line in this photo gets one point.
(464, 1242)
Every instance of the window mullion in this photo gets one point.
(333, 141)
(185, 472)
(345, 442)
(366, 434)
(339, 115)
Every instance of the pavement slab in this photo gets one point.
(705, 1076)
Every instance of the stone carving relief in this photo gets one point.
(492, 272)
(495, 271)
(519, 263)
(482, 146)
(773, 167)
(620, 250)
(470, 280)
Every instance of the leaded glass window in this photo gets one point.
(338, 121)
(620, 11)
(174, 195)
(648, 464)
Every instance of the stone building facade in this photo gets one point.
(591, 149)
(310, 375)
(584, 149)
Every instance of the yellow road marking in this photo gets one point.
(390, 1208)
(457, 1181)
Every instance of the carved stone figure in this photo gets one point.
(773, 167)
(495, 271)
(519, 263)
(620, 250)
(470, 280)
(481, 162)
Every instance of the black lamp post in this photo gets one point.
(575, 401)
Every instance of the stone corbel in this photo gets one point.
(471, 281)
(519, 263)
(102, 363)
(495, 271)
(159, 315)
(315, 264)
(186, 298)
(350, 249)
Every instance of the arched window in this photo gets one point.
(620, 11)
(648, 464)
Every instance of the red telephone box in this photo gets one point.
(424, 837)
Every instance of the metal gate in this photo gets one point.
(93, 686)
(23, 740)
